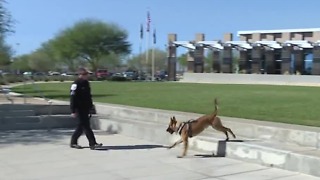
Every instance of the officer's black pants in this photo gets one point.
(83, 125)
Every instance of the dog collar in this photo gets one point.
(179, 129)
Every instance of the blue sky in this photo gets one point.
(40, 20)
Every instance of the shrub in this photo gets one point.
(93, 78)
(20, 79)
(119, 78)
(2, 81)
(10, 78)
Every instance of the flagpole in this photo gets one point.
(140, 48)
(140, 51)
(152, 64)
(147, 48)
(147, 39)
(153, 56)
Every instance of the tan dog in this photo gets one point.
(192, 128)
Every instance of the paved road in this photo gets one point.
(40, 155)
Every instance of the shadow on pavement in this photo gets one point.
(129, 147)
(32, 137)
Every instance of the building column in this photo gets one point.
(270, 62)
(216, 64)
(243, 62)
(227, 63)
(227, 59)
(256, 60)
(299, 65)
(172, 57)
(199, 55)
(316, 60)
(190, 61)
(198, 59)
(286, 59)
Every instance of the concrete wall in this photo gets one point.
(220, 78)
(257, 142)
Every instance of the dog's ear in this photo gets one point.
(174, 119)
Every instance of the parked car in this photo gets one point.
(28, 74)
(162, 75)
(102, 73)
(53, 73)
(130, 75)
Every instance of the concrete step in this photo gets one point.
(38, 122)
(37, 108)
(287, 156)
(15, 113)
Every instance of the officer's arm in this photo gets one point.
(73, 97)
(90, 95)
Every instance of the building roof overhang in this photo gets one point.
(275, 31)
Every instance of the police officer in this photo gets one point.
(81, 104)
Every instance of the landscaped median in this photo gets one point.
(287, 104)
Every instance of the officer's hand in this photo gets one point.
(74, 115)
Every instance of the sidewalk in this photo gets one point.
(40, 155)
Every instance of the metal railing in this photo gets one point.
(37, 89)
(6, 91)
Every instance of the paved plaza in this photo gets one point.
(45, 155)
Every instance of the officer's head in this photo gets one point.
(83, 73)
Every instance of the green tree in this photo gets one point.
(5, 53)
(64, 50)
(139, 62)
(21, 63)
(110, 61)
(91, 40)
(208, 60)
(6, 21)
(183, 60)
(41, 61)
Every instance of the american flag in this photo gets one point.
(141, 31)
(154, 36)
(148, 21)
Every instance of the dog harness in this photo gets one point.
(188, 124)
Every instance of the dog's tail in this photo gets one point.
(215, 113)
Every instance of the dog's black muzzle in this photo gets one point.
(169, 130)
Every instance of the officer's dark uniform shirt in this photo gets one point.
(81, 99)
